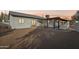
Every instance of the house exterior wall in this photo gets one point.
(14, 22)
(62, 25)
(50, 23)
(65, 25)
(37, 22)
(75, 25)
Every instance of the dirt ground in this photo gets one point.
(44, 38)
(10, 38)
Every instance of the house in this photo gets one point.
(56, 23)
(20, 20)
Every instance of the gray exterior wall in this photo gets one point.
(65, 25)
(14, 22)
(62, 26)
(75, 26)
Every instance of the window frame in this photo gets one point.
(21, 21)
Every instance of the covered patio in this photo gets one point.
(55, 22)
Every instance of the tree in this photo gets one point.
(3, 16)
(76, 16)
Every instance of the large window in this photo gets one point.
(21, 21)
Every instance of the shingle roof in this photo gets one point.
(18, 14)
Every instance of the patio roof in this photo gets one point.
(56, 18)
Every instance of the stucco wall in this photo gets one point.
(14, 22)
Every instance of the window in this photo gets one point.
(33, 22)
(21, 21)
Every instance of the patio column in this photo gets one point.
(58, 24)
(54, 23)
(47, 18)
(47, 22)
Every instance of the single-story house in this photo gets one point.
(20, 20)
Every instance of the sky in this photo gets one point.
(52, 13)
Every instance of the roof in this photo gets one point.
(57, 18)
(18, 14)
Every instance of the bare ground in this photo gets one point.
(9, 39)
(44, 38)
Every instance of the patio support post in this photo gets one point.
(54, 24)
(47, 18)
(58, 24)
(47, 22)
